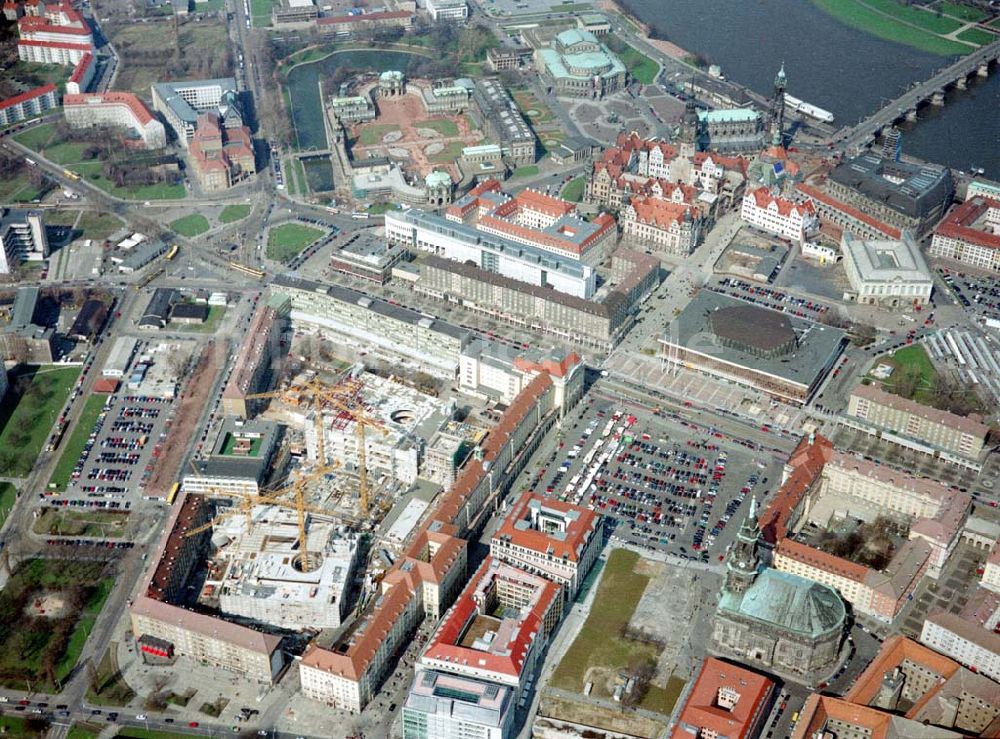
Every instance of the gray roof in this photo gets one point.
(142, 255)
(382, 307)
(168, 91)
(23, 312)
(788, 602)
(158, 309)
(886, 260)
(816, 345)
(911, 189)
(547, 259)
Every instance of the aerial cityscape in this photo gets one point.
(500, 369)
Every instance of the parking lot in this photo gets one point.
(770, 297)
(662, 483)
(977, 293)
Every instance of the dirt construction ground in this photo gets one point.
(425, 148)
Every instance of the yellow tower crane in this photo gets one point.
(346, 398)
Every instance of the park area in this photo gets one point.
(84, 224)
(914, 377)
(285, 242)
(604, 649)
(30, 408)
(47, 610)
(912, 25)
(233, 213)
(191, 225)
(87, 156)
(94, 523)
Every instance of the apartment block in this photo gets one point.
(906, 421)
(118, 110)
(970, 234)
(967, 643)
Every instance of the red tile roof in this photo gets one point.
(30, 94)
(806, 465)
(703, 712)
(138, 109)
(81, 67)
(763, 199)
(579, 529)
(818, 558)
(55, 45)
(661, 213)
(895, 650)
(32, 23)
(958, 223)
(821, 197)
(554, 368)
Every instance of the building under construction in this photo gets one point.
(258, 570)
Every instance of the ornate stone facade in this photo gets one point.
(774, 620)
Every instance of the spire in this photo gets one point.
(749, 529)
(781, 79)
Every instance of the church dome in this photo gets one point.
(791, 603)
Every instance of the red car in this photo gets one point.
(193, 724)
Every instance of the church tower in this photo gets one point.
(743, 560)
(778, 108)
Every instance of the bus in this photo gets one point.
(30, 161)
(174, 489)
(70, 175)
(172, 253)
(149, 278)
(247, 270)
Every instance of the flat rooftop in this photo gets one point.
(815, 344)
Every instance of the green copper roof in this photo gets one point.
(728, 115)
(789, 602)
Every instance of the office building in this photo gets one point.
(447, 10)
(82, 75)
(906, 196)
(239, 460)
(368, 258)
(578, 65)
(776, 215)
(221, 156)
(118, 110)
(890, 273)
(495, 371)
(382, 327)
(727, 700)
(22, 238)
(497, 628)
(780, 355)
(181, 104)
(294, 13)
(970, 234)
(556, 540)
(22, 340)
(505, 59)
(911, 424)
(441, 706)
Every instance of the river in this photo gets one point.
(836, 67)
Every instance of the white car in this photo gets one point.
(141, 717)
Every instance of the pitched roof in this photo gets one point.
(821, 197)
(30, 94)
(661, 213)
(763, 198)
(135, 106)
(580, 526)
(960, 223)
(803, 468)
(702, 710)
(972, 424)
(894, 651)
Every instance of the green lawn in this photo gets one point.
(73, 447)
(295, 177)
(573, 191)
(915, 15)
(112, 690)
(528, 170)
(98, 226)
(209, 6)
(442, 125)
(449, 153)
(83, 731)
(600, 642)
(855, 14)
(64, 521)
(84, 627)
(93, 173)
(371, 134)
(37, 136)
(378, 209)
(61, 217)
(8, 496)
(912, 359)
(994, 23)
(191, 225)
(260, 12)
(233, 213)
(962, 12)
(977, 36)
(18, 189)
(27, 420)
(640, 66)
(284, 242)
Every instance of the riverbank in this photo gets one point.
(908, 25)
